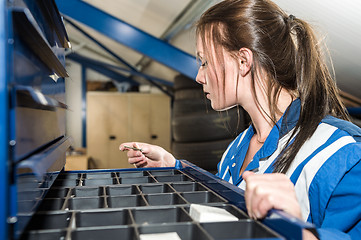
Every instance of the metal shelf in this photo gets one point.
(30, 33)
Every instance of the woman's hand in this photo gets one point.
(148, 155)
(267, 191)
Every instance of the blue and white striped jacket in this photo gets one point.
(326, 171)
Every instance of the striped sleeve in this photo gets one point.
(343, 211)
(335, 194)
(327, 177)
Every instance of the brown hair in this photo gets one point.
(286, 50)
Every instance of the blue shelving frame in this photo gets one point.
(32, 107)
(4, 140)
(130, 36)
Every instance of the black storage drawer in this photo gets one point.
(37, 85)
(110, 209)
(36, 128)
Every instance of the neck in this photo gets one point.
(262, 128)
(260, 116)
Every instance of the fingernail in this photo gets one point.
(257, 214)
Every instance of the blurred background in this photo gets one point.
(145, 49)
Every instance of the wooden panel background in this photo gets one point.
(126, 117)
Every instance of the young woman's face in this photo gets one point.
(219, 84)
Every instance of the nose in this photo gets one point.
(200, 78)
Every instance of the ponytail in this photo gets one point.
(316, 88)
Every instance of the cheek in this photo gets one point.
(223, 90)
(230, 89)
(221, 99)
(211, 80)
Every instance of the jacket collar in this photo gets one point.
(284, 125)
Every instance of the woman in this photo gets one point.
(254, 55)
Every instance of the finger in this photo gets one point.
(133, 153)
(248, 197)
(246, 174)
(288, 203)
(263, 199)
(141, 164)
(136, 145)
(281, 180)
(123, 147)
(270, 195)
(253, 195)
(260, 200)
(281, 200)
(250, 186)
(145, 149)
(135, 160)
(265, 204)
(258, 186)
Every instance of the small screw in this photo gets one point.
(133, 148)
(12, 143)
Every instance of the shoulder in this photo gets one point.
(342, 145)
(336, 157)
(331, 151)
(345, 126)
(330, 140)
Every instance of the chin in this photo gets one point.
(222, 108)
(215, 107)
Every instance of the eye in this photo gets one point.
(203, 64)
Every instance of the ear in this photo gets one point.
(245, 61)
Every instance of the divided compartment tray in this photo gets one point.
(154, 201)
